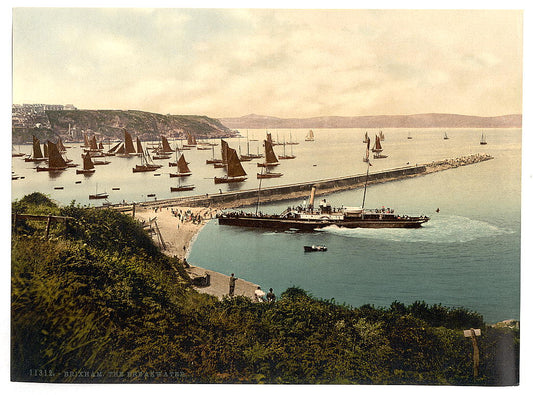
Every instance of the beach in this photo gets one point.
(178, 227)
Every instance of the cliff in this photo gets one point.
(254, 121)
(110, 123)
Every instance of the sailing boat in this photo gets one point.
(146, 163)
(129, 149)
(310, 136)
(248, 155)
(483, 140)
(224, 152)
(88, 165)
(268, 174)
(377, 149)
(290, 140)
(235, 171)
(213, 160)
(37, 155)
(16, 154)
(270, 157)
(61, 148)
(113, 150)
(165, 146)
(163, 152)
(181, 187)
(101, 195)
(409, 136)
(285, 156)
(446, 136)
(183, 168)
(191, 141)
(381, 136)
(366, 139)
(55, 160)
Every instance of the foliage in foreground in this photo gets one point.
(98, 302)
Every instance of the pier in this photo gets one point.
(249, 197)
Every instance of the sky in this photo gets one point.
(278, 62)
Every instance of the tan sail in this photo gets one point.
(60, 145)
(92, 144)
(37, 153)
(224, 151)
(139, 146)
(128, 143)
(166, 145)
(235, 168)
(270, 156)
(182, 165)
(377, 145)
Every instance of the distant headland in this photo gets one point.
(254, 121)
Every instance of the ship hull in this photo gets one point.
(310, 225)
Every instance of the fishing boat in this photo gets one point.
(16, 154)
(127, 149)
(213, 160)
(249, 156)
(113, 150)
(191, 141)
(286, 156)
(55, 160)
(381, 135)
(269, 174)
(146, 164)
(96, 195)
(366, 139)
(409, 137)
(446, 136)
(37, 153)
(182, 187)
(483, 140)
(270, 156)
(290, 140)
(234, 169)
(165, 146)
(377, 149)
(367, 154)
(182, 168)
(307, 217)
(310, 136)
(314, 248)
(88, 165)
(97, 162)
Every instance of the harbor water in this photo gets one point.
(467, 255)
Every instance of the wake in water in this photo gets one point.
(443, 229)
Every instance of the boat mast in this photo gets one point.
(367, 160)
(259, 191)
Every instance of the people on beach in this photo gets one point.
(232, 280)
(270, 296)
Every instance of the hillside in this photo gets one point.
(98, 302)
(254, 121)
(110, 123)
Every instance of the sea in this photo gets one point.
(467, 255)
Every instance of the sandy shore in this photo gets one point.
(179, 226)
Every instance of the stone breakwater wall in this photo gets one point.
(302, 190)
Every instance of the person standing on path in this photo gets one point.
(232, 280)
(270, 296)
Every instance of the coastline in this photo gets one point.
(179, 227)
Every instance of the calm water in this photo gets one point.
(467, 255)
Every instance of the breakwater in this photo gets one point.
(302, 190)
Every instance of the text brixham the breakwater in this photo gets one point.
(299, 190)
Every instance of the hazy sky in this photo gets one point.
(286, 63)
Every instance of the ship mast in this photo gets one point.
(367, 160)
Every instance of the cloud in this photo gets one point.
(278, 62)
